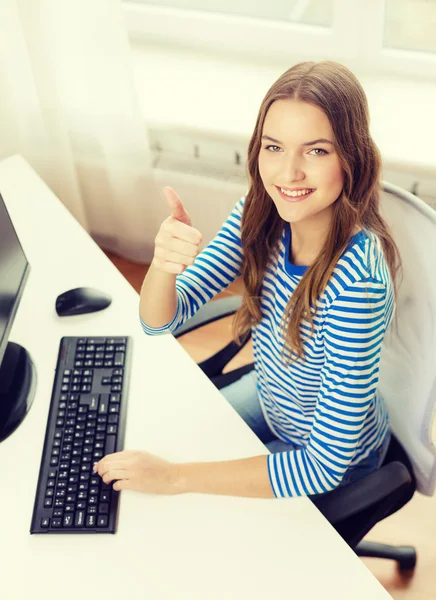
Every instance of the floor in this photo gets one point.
(413, 524)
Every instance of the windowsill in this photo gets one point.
(220, 95)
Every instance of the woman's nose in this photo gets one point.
(294, 170)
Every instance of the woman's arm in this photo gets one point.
(158, 298)
(245, 477)
(145, 472)
(214, 269)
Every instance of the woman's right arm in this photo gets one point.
(168, 301)
(158, 299)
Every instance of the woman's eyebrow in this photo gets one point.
(318, 141)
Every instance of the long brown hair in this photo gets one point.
(336, 91)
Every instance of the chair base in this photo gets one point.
(404, 555)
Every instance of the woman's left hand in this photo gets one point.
(139, 471)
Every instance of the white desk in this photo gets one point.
(179, 547)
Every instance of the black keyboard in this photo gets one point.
(86, 421)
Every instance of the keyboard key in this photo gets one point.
(80, 518)
(90, 521)
(119, 359)
(102, 521)
(68, 520)
(110, 444)
(96, 340)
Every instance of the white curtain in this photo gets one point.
(68, 105)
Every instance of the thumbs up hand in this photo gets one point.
(177, 242)
(178, 211)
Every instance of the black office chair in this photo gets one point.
(407, 383)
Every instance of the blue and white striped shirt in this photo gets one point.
(327, 404)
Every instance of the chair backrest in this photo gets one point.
(408, 358)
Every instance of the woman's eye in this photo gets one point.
(268, 147)
(320, 150)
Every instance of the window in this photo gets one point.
(310, 12)
(371, 37)
(410, 25)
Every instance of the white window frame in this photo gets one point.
(376, 59)
(355, 37)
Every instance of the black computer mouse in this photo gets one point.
(81, 301)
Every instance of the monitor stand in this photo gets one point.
(17, 388)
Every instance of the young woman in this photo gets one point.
(319, 268)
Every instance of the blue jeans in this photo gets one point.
(242, 395)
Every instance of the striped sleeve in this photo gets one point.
(353, 332)
(214, 269)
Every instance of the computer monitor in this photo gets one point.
(17, 372)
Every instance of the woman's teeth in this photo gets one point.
(295, 194)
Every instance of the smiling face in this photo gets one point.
(289, 158)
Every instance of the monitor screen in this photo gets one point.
(14, 270)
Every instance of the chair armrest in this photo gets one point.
(210, 312)
(345, 502)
